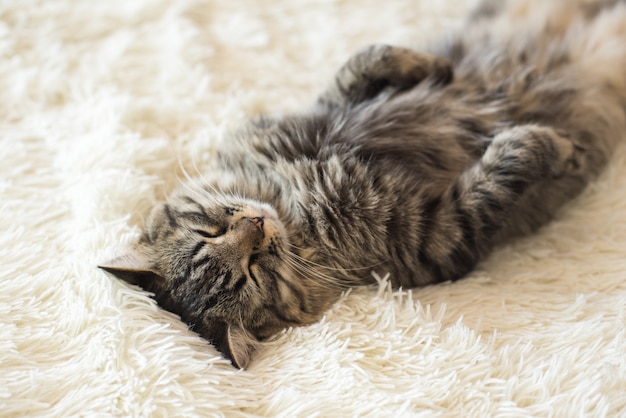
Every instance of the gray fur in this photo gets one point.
(414, 164)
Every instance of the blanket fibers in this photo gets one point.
(102, 106)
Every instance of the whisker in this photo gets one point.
(335, 282)
(198, 185)
(191, 184)
(304, 260)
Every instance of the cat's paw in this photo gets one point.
(571, 152)
(562, 148)
(403, 67)
(378, 67)
(541, 152)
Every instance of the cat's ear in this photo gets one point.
(134, 267)
(238, 346)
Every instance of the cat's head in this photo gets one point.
(225, 266)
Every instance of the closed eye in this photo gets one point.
(211, 233)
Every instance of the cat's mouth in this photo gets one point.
(253, 259)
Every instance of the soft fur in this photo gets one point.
(103, 104)
(413, 164)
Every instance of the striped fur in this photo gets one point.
(414, 164)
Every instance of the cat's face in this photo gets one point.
(224, 264)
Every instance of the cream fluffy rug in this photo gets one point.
(103, 102)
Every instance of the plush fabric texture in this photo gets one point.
(103, 108)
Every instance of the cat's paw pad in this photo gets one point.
(570, 152)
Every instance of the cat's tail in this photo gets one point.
(600, 50)
(599, 53)
(487, 9)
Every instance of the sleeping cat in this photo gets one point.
(411, 163)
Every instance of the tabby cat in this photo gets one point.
(411, 163)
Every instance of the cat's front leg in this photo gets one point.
(377, 67)
(466, 219)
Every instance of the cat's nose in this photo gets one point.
(257, 221)
(249, 234)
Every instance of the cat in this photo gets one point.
(411, 163)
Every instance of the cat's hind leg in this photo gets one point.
(377, 67)
(482, 200)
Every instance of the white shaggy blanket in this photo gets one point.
(102, 103)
